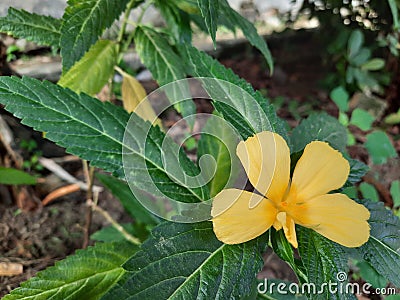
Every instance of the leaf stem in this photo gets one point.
(115, 224)
(89, 174)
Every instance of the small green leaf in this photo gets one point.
(362, 119)
(100, 60)
(395, 13)
(360, 57)
(369, 192)
(319, 127)
(42, 30)
(395, 192)
(379, 147)
(110, 234)
(209, 11)
(393, 118)
(83, 22)
(13, 176)
(186, 261)
(86, 275)
(373, 64)
(248, 29)
(340, 96)
(355, 42)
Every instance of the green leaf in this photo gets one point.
(379, 147)
(219, 140)
(368, 191)
(362, 119)
(340, 96)
(186, 261)
(370, 275)
(209, 11)
(395, 192)
(86, 275)
(164, 64)
(357, 170)
(177, 20)
(83, 22)
(393, 118)
(324, 261)
(111, 234)
(382, 251)
(395, 13)
(43, 30)
(94, 131)
(14, 176)
(360, 57)
(244, 114)
(248, 29)
(319, 127)
(132, 206)
(100, 60)
(373, 64)
(355, 42)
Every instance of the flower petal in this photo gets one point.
(336, 217)
(234, 222)
(319, 170)
(266, 160)
(288, 227)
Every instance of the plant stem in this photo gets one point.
(115, 224)
(89, 174)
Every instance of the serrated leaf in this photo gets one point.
(379, 147)
(83, 22)
(95, 131)
(14, 176)
(248, 29)
(357, 170)
(219, 140)
(362, 119)
(43, 30)
(186, 261)
(86, 275)
(164, 64)
(340, 96)
(370, 275)
(92, 72)
(177, 20)
(319, 127)
(132, 206)
(244, 114)
(209, 10)
(382, 251)
(325, 262)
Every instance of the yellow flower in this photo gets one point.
(239, 216)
